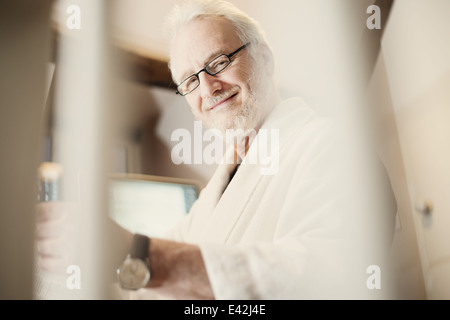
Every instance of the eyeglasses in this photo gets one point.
(216, 65)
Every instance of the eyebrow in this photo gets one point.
(206, 60)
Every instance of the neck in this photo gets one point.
(243, 142)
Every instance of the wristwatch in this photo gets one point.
(134, 272)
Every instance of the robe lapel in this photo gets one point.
(210, 197)
(219, 181)
(232, 204)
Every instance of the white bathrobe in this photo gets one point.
(295, 231)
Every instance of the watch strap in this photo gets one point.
(140, 247)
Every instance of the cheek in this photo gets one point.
(240, 75)
(244, 77)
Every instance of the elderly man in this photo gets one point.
(304, 230)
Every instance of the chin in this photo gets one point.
(242, 116)
(237, 124)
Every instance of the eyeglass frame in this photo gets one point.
(206, 66)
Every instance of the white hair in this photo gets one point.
(247, 29)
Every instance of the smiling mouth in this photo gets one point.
(223, 102)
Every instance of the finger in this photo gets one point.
(51, 229)
(50, 210)
(51, 248)
(56, 265)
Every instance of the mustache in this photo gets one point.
(211, 101)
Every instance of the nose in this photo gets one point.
(209, 84)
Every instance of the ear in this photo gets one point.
(267, 58)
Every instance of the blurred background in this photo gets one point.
(86, 84)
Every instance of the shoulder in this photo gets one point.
(304, 132)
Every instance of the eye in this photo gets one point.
(188, 84)
(190, 81)
(218, 64)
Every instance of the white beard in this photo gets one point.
(248, 116)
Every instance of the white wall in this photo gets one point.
(416, 48)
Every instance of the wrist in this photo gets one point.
(134, 272)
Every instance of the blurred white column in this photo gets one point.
(80, 134)
(416, 49)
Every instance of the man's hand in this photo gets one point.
(55, 235)
(178, 270)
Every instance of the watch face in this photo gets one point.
(133, 274)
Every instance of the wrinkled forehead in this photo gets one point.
(199, 41)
